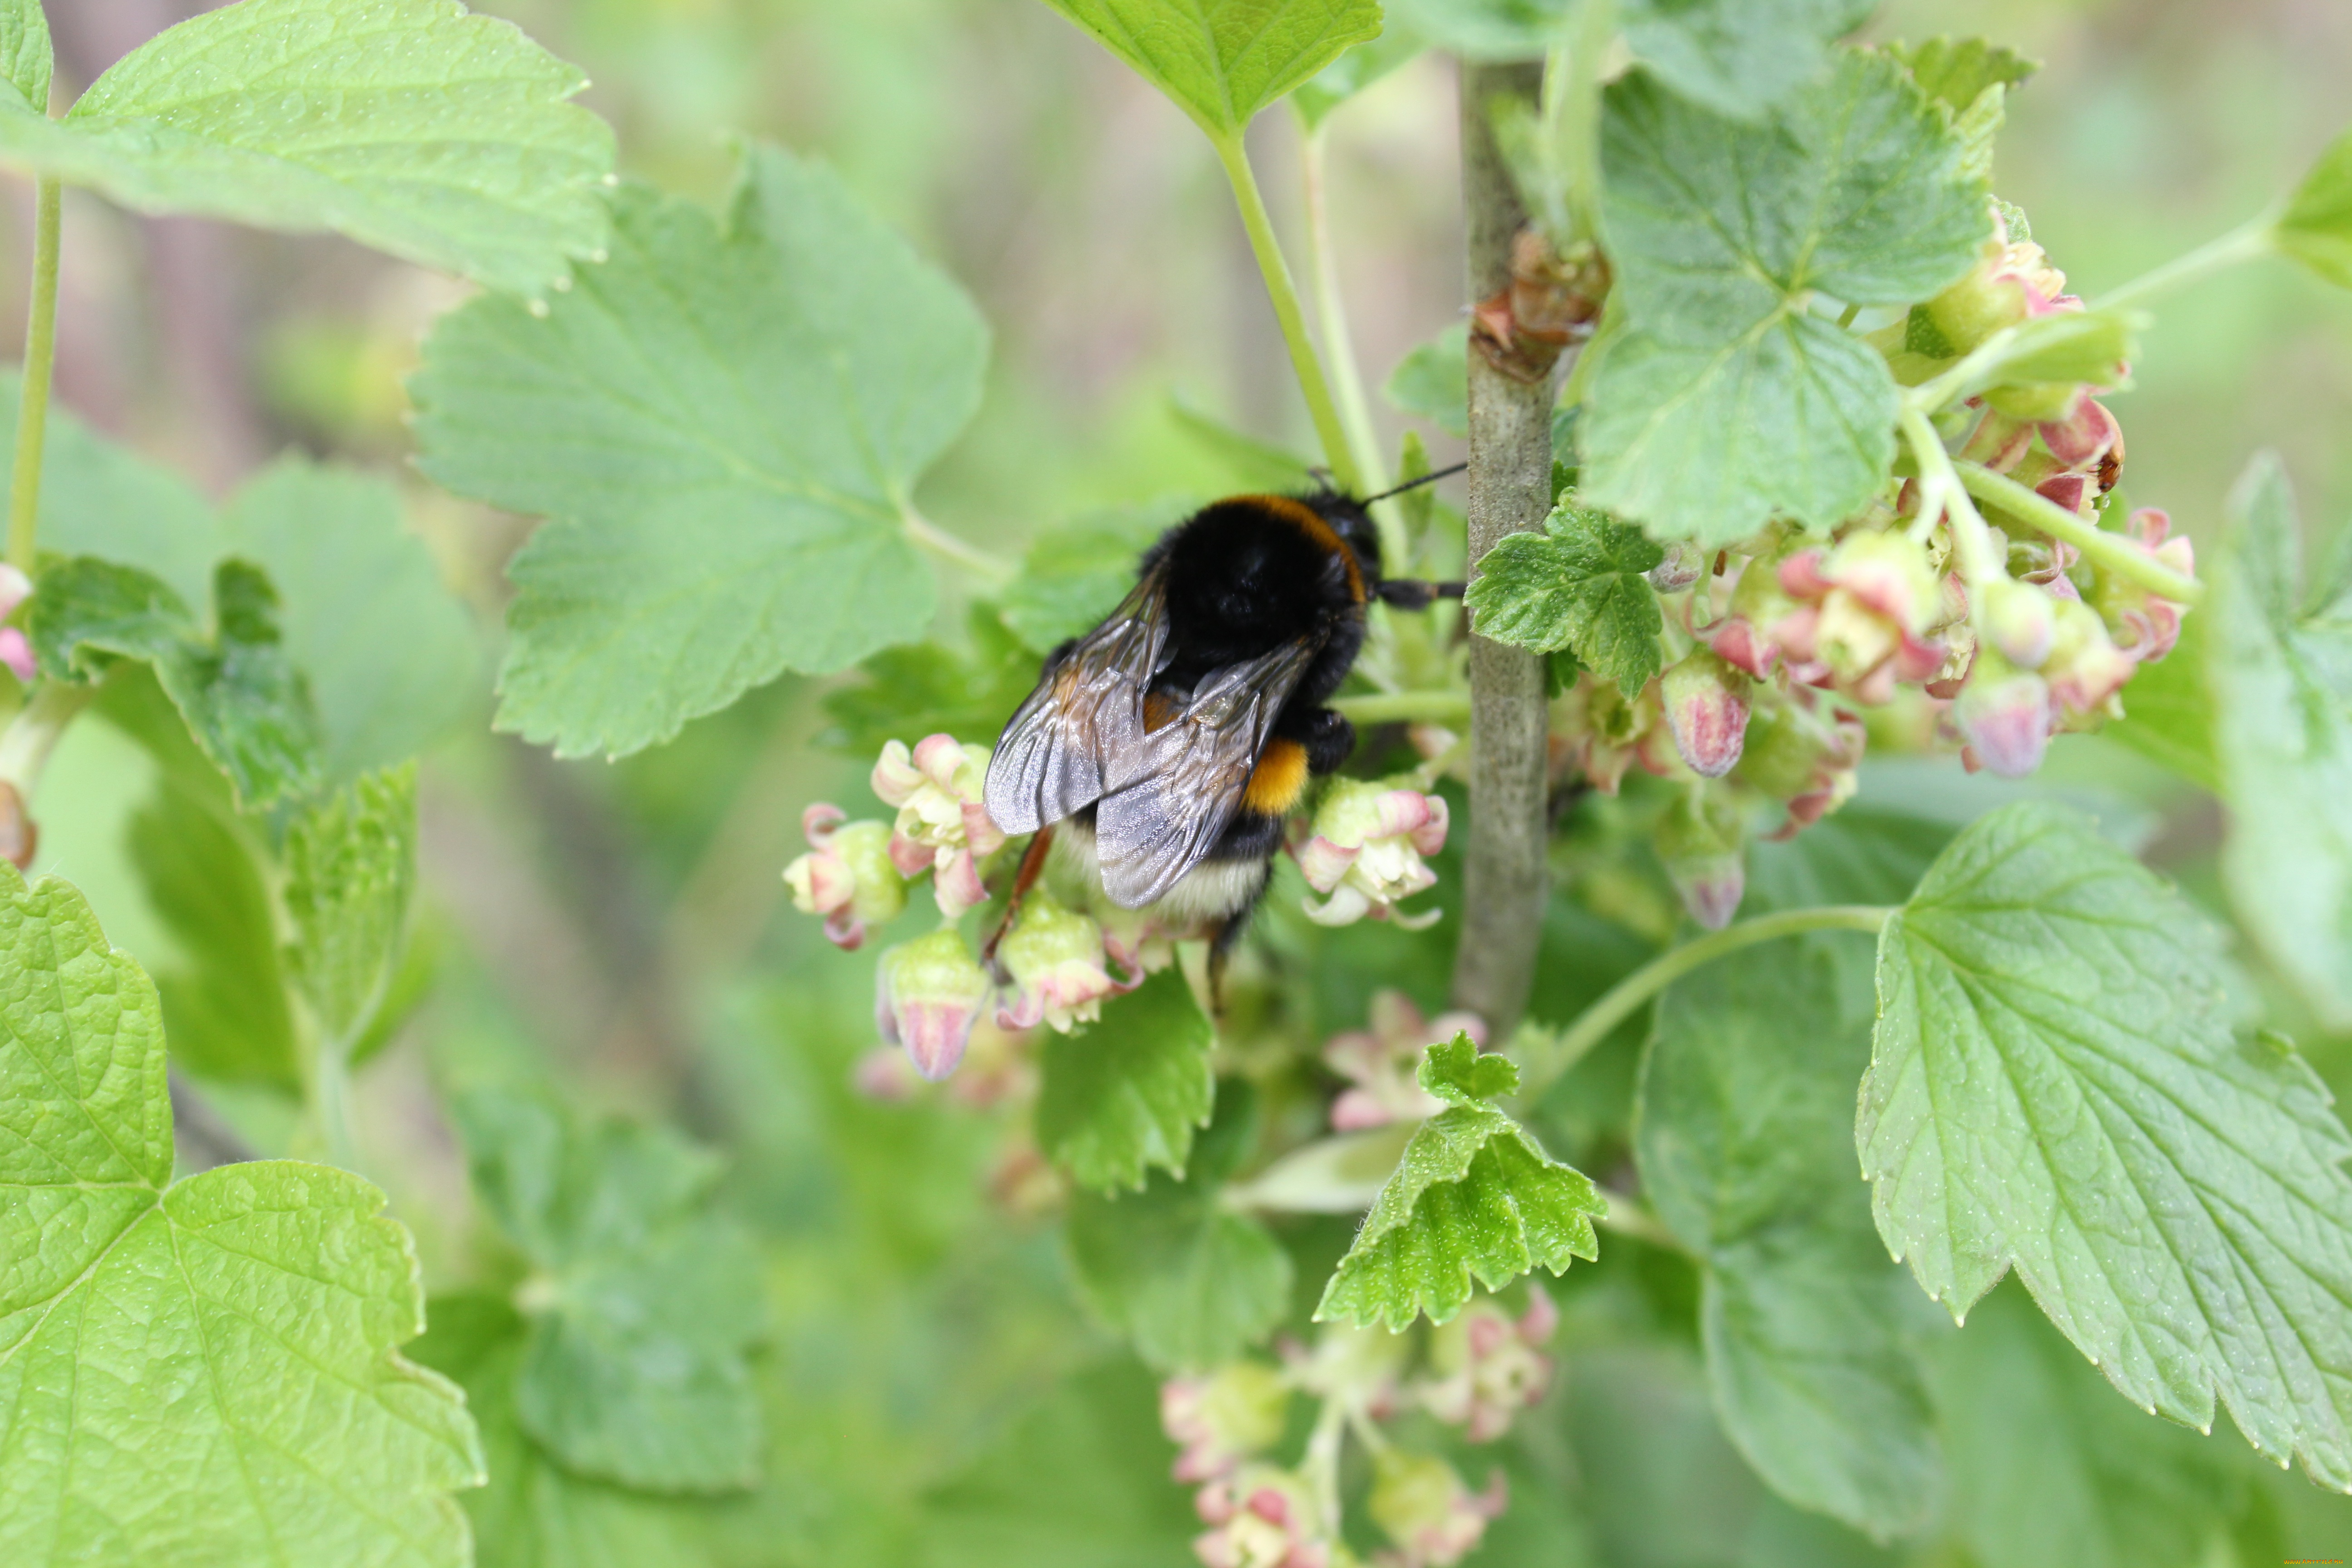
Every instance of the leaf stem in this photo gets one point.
(992, 568)
(330, 1106)
(1942, 493)
(2248, 242)
(2109, 552)
(1629, 1215)
(1332, 312)
(1401, 707)
(1321, 1467)
(33, 734)
(1623, 999)
(41, 359)
(1284, 295)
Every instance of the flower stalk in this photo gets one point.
(41, 360)
(2108, 551)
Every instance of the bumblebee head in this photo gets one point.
(1348, 519)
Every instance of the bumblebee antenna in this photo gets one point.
(1416, 484)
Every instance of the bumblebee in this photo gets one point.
(1161, 751)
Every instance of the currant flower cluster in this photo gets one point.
(1966, 623)
(1054, 965)
(1474, 1372)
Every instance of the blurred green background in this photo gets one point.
(622, 927)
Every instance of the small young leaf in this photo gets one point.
(2054, 1088)
(25, 56)
(1075, 573)
(1125, 1094)
(1576, 585)
(2282, 732)
(1244, 461)
(242, 698)
(1474, 1197)
(1723, 400)
(1221, 61)
(535, 1513)
(202, 1372)
(1433, 381)
(389, 653)
(1956, 73)
(1355, 70)
(99, 499)
(1738, 57)
(2316, 228)
(721, 425)
(1188, 1283)
(1744, 1142)
(648, 1303)
(203, 871)
(444, 137)
(351, 867)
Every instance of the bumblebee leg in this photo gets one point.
(1033, 866)
(1227, 936)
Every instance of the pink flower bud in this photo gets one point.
(2020, 619)
(2069, 490)
(1484, 1368)
(1999, 441)
(1685, 564)
(1366, 849)
(1055, 957)
(1264, 1518)
(1699, 842)
(2145, 624)
(1422, 1506)
(846, 877)
(1222, 1419)
(1382, 1064)
(928, 994)
(2085, 668)
(17, 653)
(1706, 705)
(2005, 714)
(2012, 283)
(2084, 438)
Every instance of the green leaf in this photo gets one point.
(1433, 381)
(1723, 400)
(1956, 73)
(1486, 29)
(535, 1513)
(2054, 1087)
(1738, 57)
(1079, 1482)
(2316, 227)
(225, 1001)
(1123, 1095)
(2048, 1468)
(646, 1304)
(389, 653)
(2281, 735)
(2171, 717)
(1353, 71)
(406, 124)
(1076, 573)
(350, 869)
(722, 425)
(1474, 1196)
(1221, 61)
(97, 499)
(204, 1373)
(1578, 585)
(905, 693)
(1246, 462)
(25, 57)
(1188, 1283)
(242, 698)
(1745, 1142)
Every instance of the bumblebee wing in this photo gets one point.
(1084, 719)
(1156, 824)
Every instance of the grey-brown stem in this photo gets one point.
(1510, 491)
